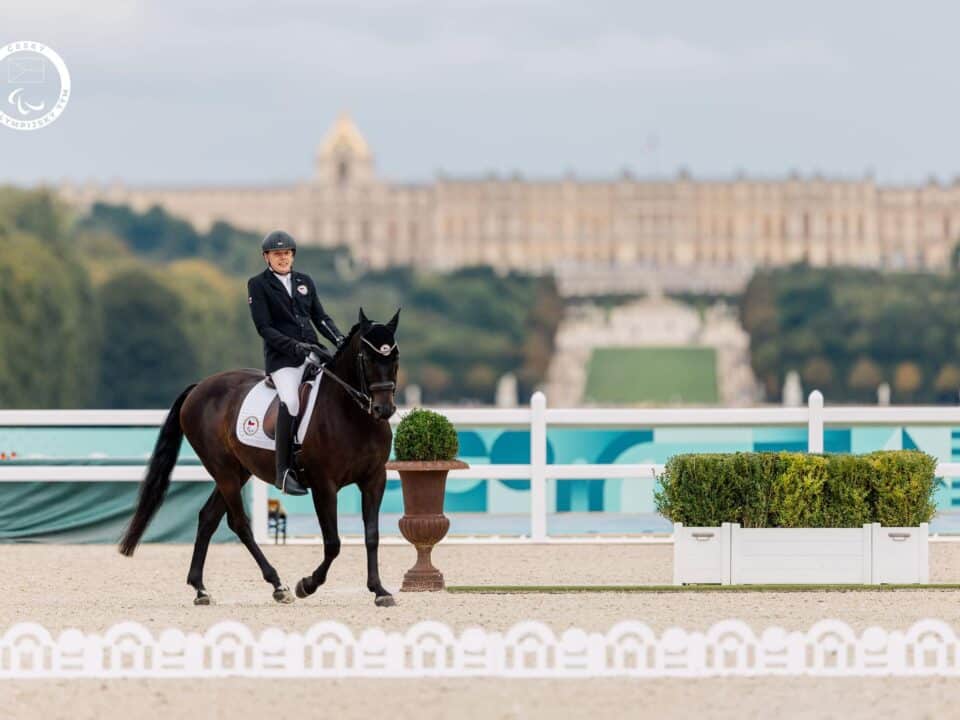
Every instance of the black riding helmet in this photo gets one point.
(279, 240)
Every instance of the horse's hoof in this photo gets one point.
(301, 590)
(385, 601)
(283, 595)
(203, 598)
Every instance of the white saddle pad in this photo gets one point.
(254, 406)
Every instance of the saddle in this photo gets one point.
(270, 417)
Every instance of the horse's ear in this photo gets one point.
(364, 320)
(394, 321)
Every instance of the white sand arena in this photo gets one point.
(93, 587)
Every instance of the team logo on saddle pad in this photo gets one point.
(302, 289)
(248, 424)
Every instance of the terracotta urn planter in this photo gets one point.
(423, 523)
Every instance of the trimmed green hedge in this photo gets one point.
(425, 435)
(892, 487)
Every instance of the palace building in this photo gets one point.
(601, 234)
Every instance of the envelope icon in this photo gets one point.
(25, 70)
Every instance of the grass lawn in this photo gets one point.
(558, 589)
(652, 375)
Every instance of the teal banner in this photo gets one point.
(97, 512)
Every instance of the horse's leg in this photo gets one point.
(240, 524)
(325, 504)
(371, 495)
(210, 516)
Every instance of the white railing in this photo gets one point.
(536, 418)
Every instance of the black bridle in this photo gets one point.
(363, 395)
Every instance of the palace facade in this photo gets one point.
(621, 227)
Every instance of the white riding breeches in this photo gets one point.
(287, 381)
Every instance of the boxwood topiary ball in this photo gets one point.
(425, 435)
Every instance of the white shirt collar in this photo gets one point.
(287, 281)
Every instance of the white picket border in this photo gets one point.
(432, 649)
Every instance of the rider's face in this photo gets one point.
(280, 261)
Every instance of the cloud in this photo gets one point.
(50, 16)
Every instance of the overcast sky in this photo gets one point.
(235, 91)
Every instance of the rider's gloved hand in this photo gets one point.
(322, 355)
(303, 350)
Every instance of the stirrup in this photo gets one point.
(289, 485)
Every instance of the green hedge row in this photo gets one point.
(893, 487)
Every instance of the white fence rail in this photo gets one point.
(536, 418)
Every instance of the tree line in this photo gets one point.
(847, 331)
(120, 309)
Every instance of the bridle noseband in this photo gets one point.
(363, 396)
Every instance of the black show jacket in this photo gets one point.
(283, 320)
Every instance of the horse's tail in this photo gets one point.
(157, 480)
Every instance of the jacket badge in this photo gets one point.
(302, 289)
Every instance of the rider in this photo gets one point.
(282, 303)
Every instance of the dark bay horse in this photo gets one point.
(347, 441)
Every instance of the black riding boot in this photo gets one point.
(286, 477)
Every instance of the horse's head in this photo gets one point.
(378, 359)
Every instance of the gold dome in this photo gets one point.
(344, 136)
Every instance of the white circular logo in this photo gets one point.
(35, 85)
(302, 289)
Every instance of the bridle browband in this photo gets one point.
(363, 396)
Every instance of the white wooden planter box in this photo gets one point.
(701, 554)
(733, 555)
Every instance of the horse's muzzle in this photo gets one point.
(383, 411)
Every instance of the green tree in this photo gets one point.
(48, 319)
(947, 383)
(817, 373)
(907, 379)
(478, 382)
(846, 314)
(435, 380)
(865, 376)
(147, 356)
(216, 318)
